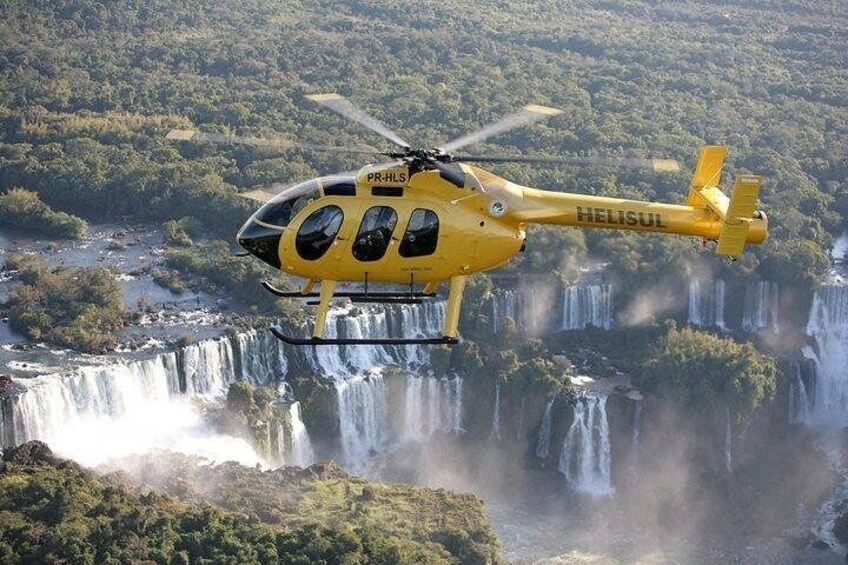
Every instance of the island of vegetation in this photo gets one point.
(75, 307)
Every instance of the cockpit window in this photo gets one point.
(280, 210)
(375, 232)
(318, 231)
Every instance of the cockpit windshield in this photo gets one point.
(280, 210)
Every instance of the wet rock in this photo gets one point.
(324, 470)
(840, 528)
(820, 544)
(31, 453)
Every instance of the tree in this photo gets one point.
(708, 374)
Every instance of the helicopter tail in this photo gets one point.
(741, 223)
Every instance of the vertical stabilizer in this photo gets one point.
(707, 172)
(740, 215)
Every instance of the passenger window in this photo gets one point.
(318, 231)
(422, 234)
(375, 232)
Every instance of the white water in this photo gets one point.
(429, 405)
(505, 305)
(706, 303)
(588, 305)
(761, 306)
(635, 441)
(424, 320)
(828, 327)
(799, 400)
(301, 453)
(728, 442)
(543, 444)
(363, 416)
(94, 414)
(840, 248)
(585, 457)
(496, 414)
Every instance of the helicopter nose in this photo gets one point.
(261, 241)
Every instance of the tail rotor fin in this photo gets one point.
(741, 223)
(740, 215)
(707, 172)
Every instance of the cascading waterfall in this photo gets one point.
(543, 444)
(302, 454)
(363, 416)
(588, 305)
(828, 327)
(496, 414)
(728, 442)
(585, 457)
(635, 440)
(431, 405)
(424, 320)
(761, 307)
(799, 400)
(505, 305)
(706, 303)
(97, 413)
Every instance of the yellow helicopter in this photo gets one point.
(428, 218)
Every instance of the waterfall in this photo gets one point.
(430, 405)
(543, 444)
(799, 400)
(728, 442)
(93, 414)
(585, 457)
(761, 307)
(423, 320)
(585, 306)
(279, 440)
(706, 303)
(719, 305)
(260, 357)
(363, 416)
(505, 305)
(496, 414)
(839, 253)
(301, 448)
(635, 440)
(828, 327)
(696, 312)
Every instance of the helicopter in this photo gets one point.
(427, 217)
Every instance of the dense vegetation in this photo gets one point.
(77, 307)
(88, 92)
(214, 266)
(54, 511)
(24, 209)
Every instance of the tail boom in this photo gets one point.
(708, 212)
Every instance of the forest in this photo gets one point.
(87, 94)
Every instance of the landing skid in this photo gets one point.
(384, 297)
(382, 341)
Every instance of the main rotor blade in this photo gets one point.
(527, 115)
(656, 165)
(346, 108)
(280, 142)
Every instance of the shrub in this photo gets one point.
(24, 209)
